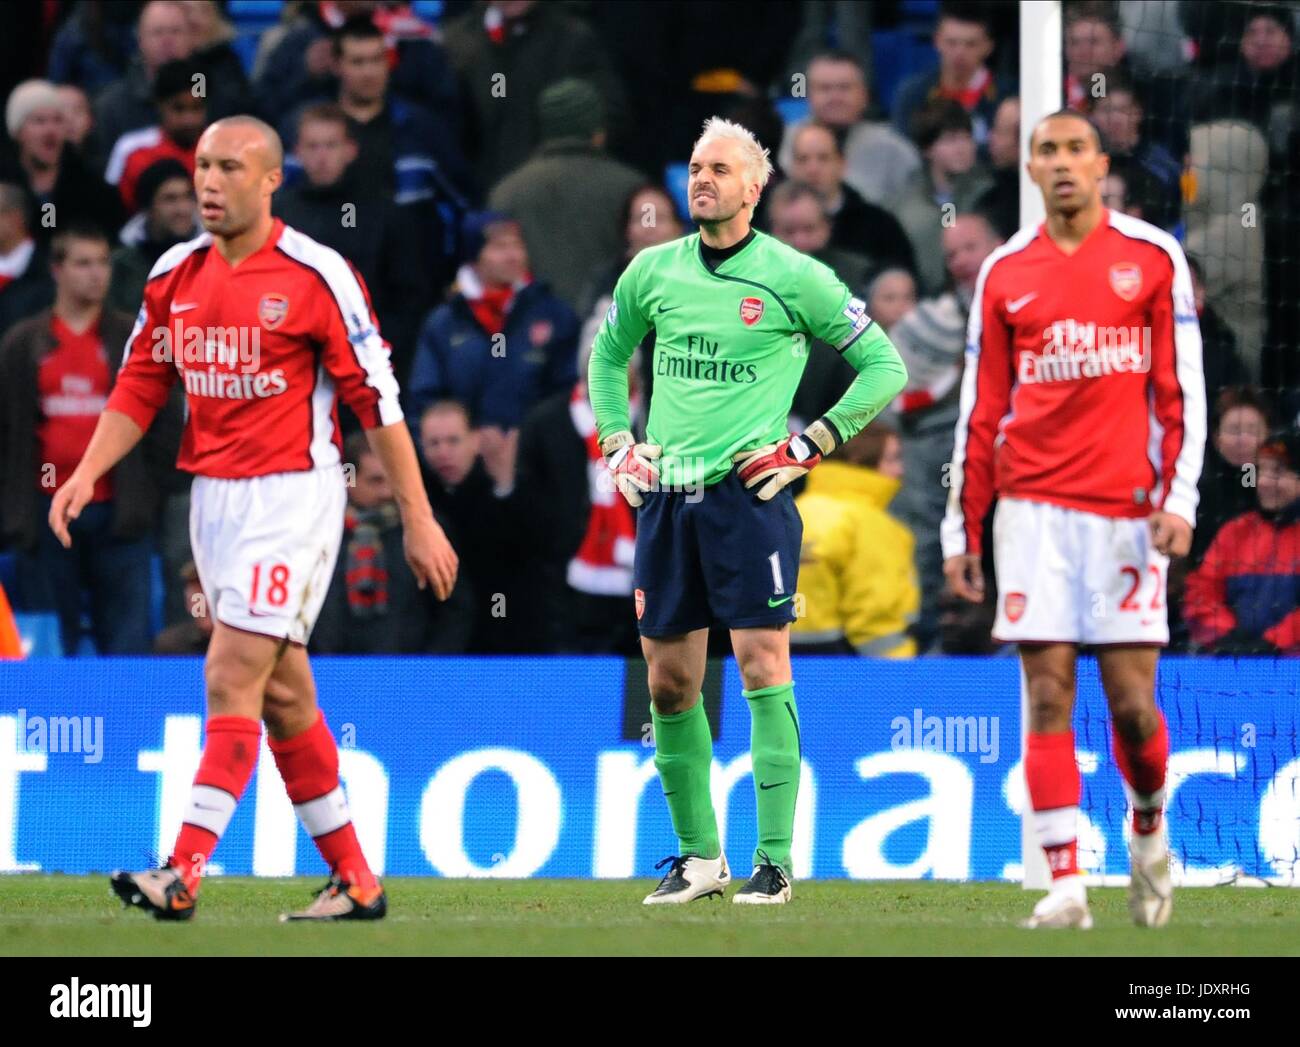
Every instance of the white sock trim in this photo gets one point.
(1057, 826)
(325, 813)
(209, 808)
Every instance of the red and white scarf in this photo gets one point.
(968, 97)
(490, 303)
(603, 564)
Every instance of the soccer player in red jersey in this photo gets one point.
(263, 326)
(1083, 410)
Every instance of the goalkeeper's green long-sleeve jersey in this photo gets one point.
(730, 348)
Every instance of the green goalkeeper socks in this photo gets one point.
(774, 746)
(684, 758)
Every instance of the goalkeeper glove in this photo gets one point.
(781, 464)
(632, 464)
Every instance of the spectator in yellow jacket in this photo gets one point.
(857, 577)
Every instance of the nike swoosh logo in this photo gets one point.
(668, 308)
(778, 603)
(205, 807)
(673, 793)
(764, 785)
(184, 307)
(1020, 303)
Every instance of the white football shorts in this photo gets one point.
(1068, 576)
(265, 547)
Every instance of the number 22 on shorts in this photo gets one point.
(270, 586)
(1130, 601)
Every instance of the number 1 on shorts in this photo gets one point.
(778, 585)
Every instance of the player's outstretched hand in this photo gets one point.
(432, 559)
(1170, 534)
(68, 502)
(965, 577)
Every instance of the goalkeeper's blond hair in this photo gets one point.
(758, 161)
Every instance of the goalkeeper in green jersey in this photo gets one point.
(734, 313)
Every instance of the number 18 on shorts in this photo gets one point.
(265, 547)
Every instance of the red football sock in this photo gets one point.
(1054, 784)
(229, 756)
(309, 765)
(1143, 766)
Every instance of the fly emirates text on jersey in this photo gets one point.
(220, 362)
(1074, 349)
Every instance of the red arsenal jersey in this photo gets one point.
(73, 381)
(1083, 384)
(261, 349)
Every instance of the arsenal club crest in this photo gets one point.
(1126, 280)
(640, 603)
(1014, 605)
(751, 310)
(272, 310)
(540, 331)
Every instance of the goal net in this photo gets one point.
(1198, 105)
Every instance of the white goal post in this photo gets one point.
(1041, 79)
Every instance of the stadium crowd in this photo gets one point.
(490, 168)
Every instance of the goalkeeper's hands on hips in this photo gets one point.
(631, 464)
(778, 465)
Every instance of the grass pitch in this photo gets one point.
(75, 915)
